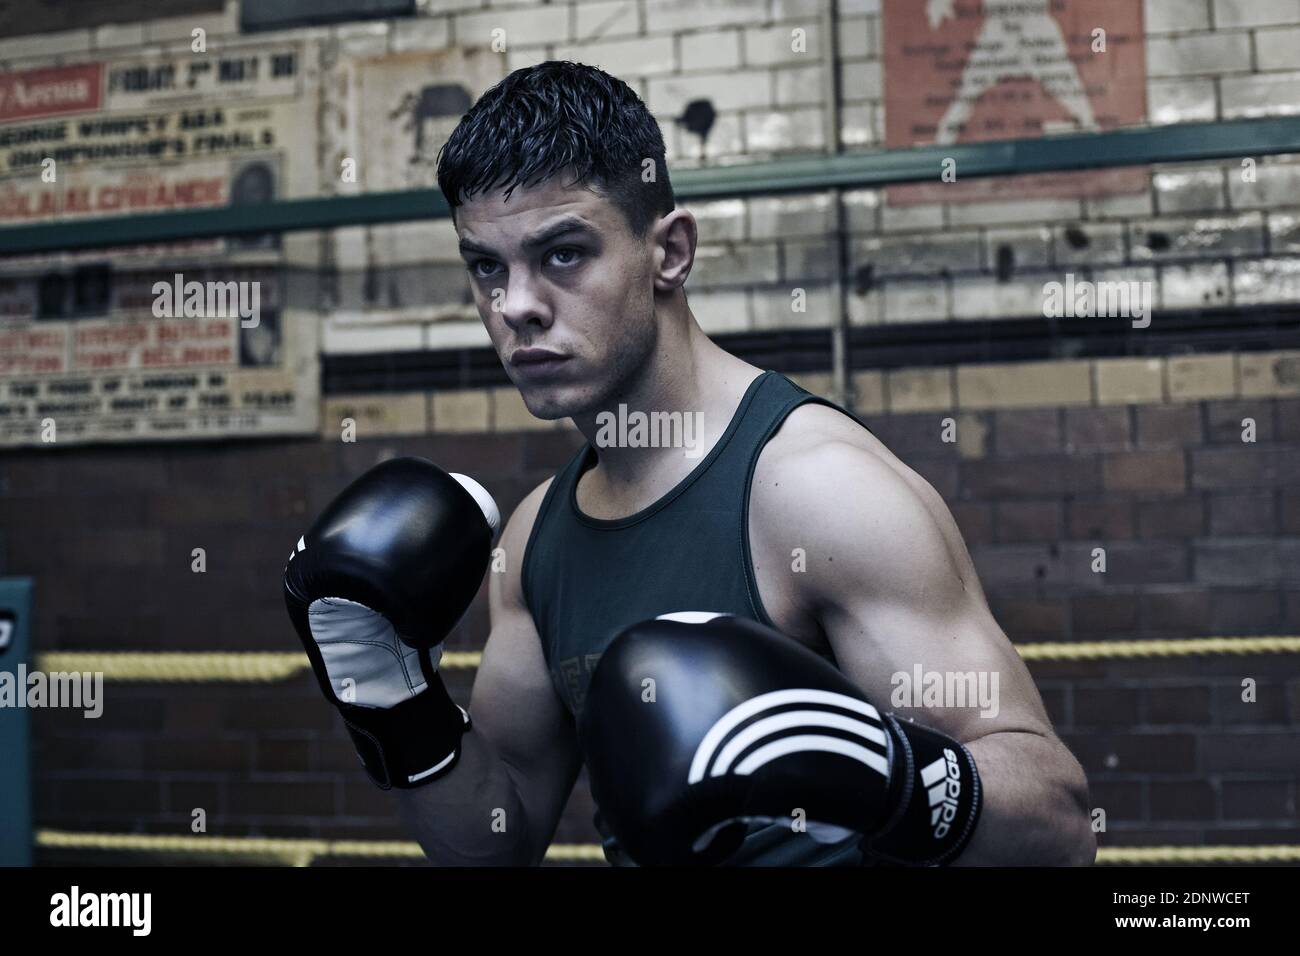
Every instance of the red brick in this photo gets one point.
(1253, 512)
(1258, 799)
(1223, 420)
(1000, 565)
(1029, 618)
(1244, 466)
(1243, 612)
(1105, 706)
(102, 751)
(1288, 419)
(915, 436)
(1181, 800)
(299, 796)
(1268, 707)
(1154, 472)
(1097, 429)
(1176, 705)
(278, 714)
(1290, 514)
(1030, 477)
(1028, 521)
(184, 796)
(1102, 614)
(93, 794)
(1032, 431)
(1173, 518)
(1256, 750)
(1106, 519)
(1131, 564)
(1183, 611)
(96, 470)
(230, 755)
(1226, 562)
(1121, 799)
(1168, 426)
(1254, 836)
(1149, 753)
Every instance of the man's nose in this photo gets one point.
(520, 301)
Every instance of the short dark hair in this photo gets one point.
(558, 115)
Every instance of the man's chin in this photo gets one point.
(552, 403)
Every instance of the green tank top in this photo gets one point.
(585, 579)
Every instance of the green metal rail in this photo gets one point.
(1187, 142)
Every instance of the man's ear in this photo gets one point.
(674, 237)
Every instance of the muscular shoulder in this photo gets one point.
(507, 587)
(863, 519)
(819, 449)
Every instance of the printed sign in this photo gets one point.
(182, 339)
(969, 71)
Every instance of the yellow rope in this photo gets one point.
(1185, 647)
(1198, 854)
(291, 851)
(301, 852)
(265, 667)
(237, 667)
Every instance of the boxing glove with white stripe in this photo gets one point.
(696, 725)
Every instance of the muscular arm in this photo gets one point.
(502, 803)
(891, 584)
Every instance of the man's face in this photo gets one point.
(565, 291)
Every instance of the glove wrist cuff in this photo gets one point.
(411, 744)
(941, 800)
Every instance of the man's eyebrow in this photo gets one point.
(556, 229)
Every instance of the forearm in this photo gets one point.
(1035, 809)
(473, 816)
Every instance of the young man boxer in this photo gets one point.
(787, 515)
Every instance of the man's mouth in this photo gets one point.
(537, 363)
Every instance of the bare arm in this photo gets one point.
(892, 586)
(502, 803)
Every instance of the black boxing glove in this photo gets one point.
(373, 589)
(747, 725)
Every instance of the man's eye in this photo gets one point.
(474, 268)
(573, 254)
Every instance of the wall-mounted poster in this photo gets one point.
(970, 71)
(178, 339)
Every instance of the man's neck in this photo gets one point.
(700, 382)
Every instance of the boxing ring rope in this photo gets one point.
(303, 851)
(257, 667)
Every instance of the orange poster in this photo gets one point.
(969, 71)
